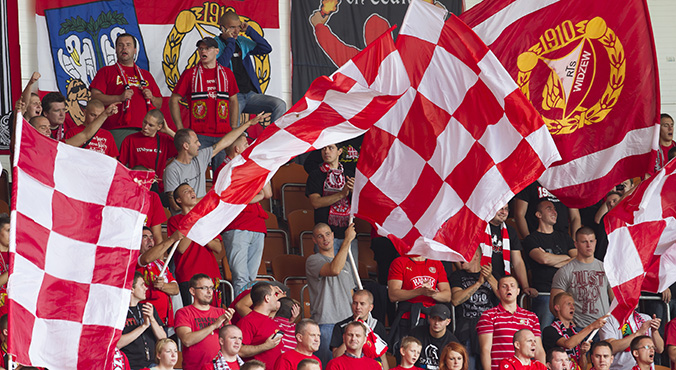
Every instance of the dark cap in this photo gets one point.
(209, 42)
(441, 311)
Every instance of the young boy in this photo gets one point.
(410, 351)
(286, 319)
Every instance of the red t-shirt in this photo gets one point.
(503, 325)
(236, 317)
(158, 298)
(210, 365)
(513, 363)
(109, 82)
(413, 274)
(196, 259)
(665, 152)
(198, 354)
(208, 116)
(256, 329)
(140, 150)
(406, 368)
(156, 213)
(102, 142)
(346, 362)
(289, 360)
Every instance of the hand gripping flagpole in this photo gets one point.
(171, 254)
(354, 266)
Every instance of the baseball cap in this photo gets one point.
(209, 42)
(441, 311)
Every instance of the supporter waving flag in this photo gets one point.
(334, 109)
(589, 68)
(76, 217)
(642, 241)
(456, 147)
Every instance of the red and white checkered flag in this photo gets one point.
(334, 109)
(642, 241)
(456, 147)
(76, 227)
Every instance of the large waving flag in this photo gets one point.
(456, 147)
(334, 109)
(589, 67)
(76, 217)
(642, 241)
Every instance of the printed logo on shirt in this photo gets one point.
(419, 281)
(203, 322)
(433, 269)
(133, 81)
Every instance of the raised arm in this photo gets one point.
(90, 130)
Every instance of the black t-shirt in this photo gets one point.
(550, 336)
(532, 195)
(348, 157)
(315, 184)
(498, 261)
(467, 314)
(556, 243)
(431, 347)
(136, 350)
(241, 76)
(339, 328)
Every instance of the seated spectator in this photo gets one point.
(416, 280)
(643, 351)
(307, 338)
(328, 187)
(599, 226)
(191, 162)
(260, 337)
(330, 282)
(196, 324)
(620, 337)
(41, 124)
(102, 140)
(410, 352)
(433, 336)
(32, 106)
(601, 355)
(285, 318)
(498, 325)
(525, 346)
(151, 147)
(159, 288)
(354, 338)
(142, 328)
(666, 140)
(584, 278)
(210, 90)
(230, 339)
(563, 333)
(375, 347)
(557, 359)
(549, 250)
(242, 303)
(309, 364)
(454, 357)
(253, 365)
(166, 355)
(244, 236)
(473, 289)
(192, 258)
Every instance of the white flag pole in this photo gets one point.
(354, 266)
(171, 254)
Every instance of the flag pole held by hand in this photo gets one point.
(171, 254)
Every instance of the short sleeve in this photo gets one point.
(171, 178)
(670, 332)
(156, 214)
(514, 242)
(441, 273)
(560, 279)
(125, 149)
(485, 324)
(549, 337)
(608, 330)
(182, 319)
(313, 266)
(315, 183)
(397, 269)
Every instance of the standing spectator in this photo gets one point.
(525, 345)
(434, 336)
(353, 358)
(260, 334)
(584, 278)
(230, 339)
(666, 140)
(643, 351)
(236, 52)
(557, 359)
(601, 355)
(126, 83)
(498, 325)
(307, 337)
(102, 140)
(196, 324)
(54, 109)
(620, 337)
(330, 283)
(525, 206)
(211, 93)
(285, 318)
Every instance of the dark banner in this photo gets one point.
(10, 70)
(327, 33)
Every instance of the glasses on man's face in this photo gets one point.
(648, 347)
(207, 288)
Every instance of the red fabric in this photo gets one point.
(635, 107)
(665, 152)
(289, 329)
(102, 142)
(252, 218)
(196, 259)
(140, 150)
(159, 299)
(208, 125)
(202, 352)
(638, 224)
(108, 81)
(156, 213)
(77, 210)
(503, 325)
(236, 317)
(413, 274)
(349, 363)
(256, 329)
(289, 360)
(670, 340)
(311, 123)
(513, 363)
(120, 361)
(430, 183)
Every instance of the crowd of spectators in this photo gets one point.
(547, 253)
